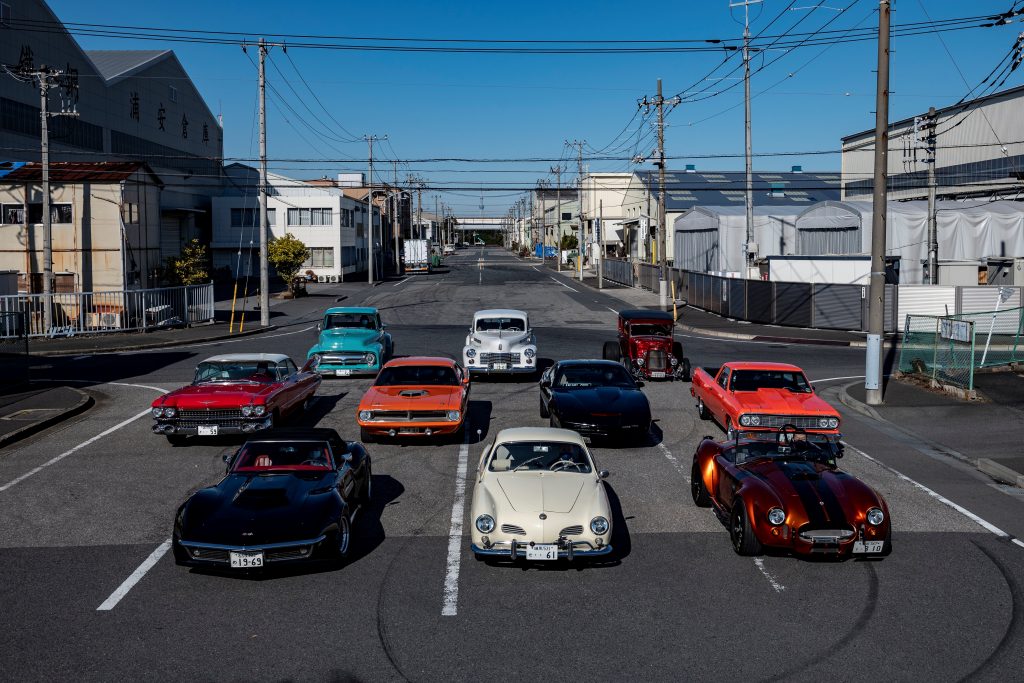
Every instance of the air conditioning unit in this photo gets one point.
(321, 278)
(104, 320)
(334, 278)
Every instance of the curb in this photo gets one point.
(987, 466)
(160, 345)
(85, 402)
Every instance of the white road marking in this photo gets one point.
(136, 576)
(54, 460)
(988, 526)
(836, 379)
(732, 341)
(675, 463)
(759, 562)
(228, 341)
(451, 574)
(564, 285)
(612, 310)
(401, 281)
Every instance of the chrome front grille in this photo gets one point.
(297, 553)
(513, 529)
(657, 360)
(409, 416)
(343, 359)
(226, 417)
(798, 421)
(488, 358)
(209, 554)
(825, 535)
(576, 530)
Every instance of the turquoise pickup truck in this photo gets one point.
(352, 342)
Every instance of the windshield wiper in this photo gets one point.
(527, 462)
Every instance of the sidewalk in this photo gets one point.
(33, 410)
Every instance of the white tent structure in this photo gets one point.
(966, 231)
(710, 238)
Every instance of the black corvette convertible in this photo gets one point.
(289, 496)
(596, 398)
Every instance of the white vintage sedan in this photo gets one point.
(539, 496)
(500, 342)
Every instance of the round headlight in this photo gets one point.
(673, 360)
(599, 525)
(833, 422)
(823, 423)
(640, 361)
(246, 411)
(158, 412)
(485, 524)
(454, 415)
(875, 516)
(529, 353)
(749, 420)
(776, 516)
(370, 358)
(170, 412)
(365, 415)
(470, 353)
(259, 410)
(755, 420)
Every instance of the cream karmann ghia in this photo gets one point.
(539, 496)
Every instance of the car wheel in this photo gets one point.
(700, 493)
(611, 351)
(744, 542)
(367, 495)
(341, 541)
(544, 409)
(176, 440)
(365, 436)
(730, 432)
(702, 410)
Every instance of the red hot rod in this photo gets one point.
(646, 346)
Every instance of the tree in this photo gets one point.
(192, 267)
(287, 253)
(569, 242)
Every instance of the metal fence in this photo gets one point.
(77, 313)
(619, 271)
(13, 351)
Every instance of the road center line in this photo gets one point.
(451, 574)
(564, 285)
(403, 280)
(759, 562)
(836, 379)
(675, 463)
(988, 526)
(135, 577)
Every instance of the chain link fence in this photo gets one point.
(939, 348)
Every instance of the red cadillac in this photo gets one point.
(236, 393)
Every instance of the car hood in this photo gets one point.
(782, 401)
(826, 496)
(538, 492)
(600, 400)
(252, 509)
(348, 339)
(651, 341)
(201, 396)
(489, 341)
(412, 398)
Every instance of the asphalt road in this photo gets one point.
(88, 592)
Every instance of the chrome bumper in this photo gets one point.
(217, 553)
(476, 369)
(516, 550)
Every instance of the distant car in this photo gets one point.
(646, 346)
(416, 396)
(351, 342)
(449, 249)
(500, 341)
(783, 490)
(761, 396)
(289, 496)
(479, 242)
(237, 393)
(539, 496)
(596, 398)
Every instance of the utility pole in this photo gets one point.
(419, 209)
(933, 231)
(600, 237)
(396, 221)
(876, 291)
(264, 48)
(578, 144)
(370, 139)
(748, 253)
(557, 170)
(436, 218)
(660, 103)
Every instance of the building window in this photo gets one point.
(320, 257)
(566, 216)
(14, 214)
(309, 216)
(129, 213)
(250, 217)
(173, 93)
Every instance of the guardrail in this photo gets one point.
(75, 313)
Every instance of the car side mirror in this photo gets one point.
(346, 456)
(545, 382)
(604, 474)
(319, 327)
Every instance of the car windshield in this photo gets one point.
(269, 456)
(650, 330)
(417, 375)
(549, 456)
(752, 380)
(503, 324)
(588, 376)
(365, 321)
(799, 446)
(261, 371)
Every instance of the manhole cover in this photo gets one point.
(30, 414)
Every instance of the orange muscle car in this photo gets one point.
(415, 396)
(761, 396)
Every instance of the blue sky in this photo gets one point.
(501, 106)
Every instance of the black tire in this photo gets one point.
(687, 370)
(701, 498)
(544, 412)
(176, 440)
(341, 540)
(702, 410)
(365, 436)
(366, 495)
(744, 542)
(611, 351)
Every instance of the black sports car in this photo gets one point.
(596, 398)
(291, 495)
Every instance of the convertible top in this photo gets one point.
(640, 314)
(327, 434)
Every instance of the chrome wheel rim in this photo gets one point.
(343, 538)
(737, 530)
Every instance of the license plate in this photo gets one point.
(867, 546)
(542, 552)
(657, 375)
(342, 373)
(207, 430)
(246, 560)
(500, 366)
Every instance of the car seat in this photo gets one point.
(263, 461)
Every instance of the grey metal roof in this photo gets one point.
(685, 189)
(114, 63)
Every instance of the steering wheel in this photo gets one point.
(787, 434)
(314, 463)
(560, 465)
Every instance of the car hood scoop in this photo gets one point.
(413, 393)
(541, 492)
